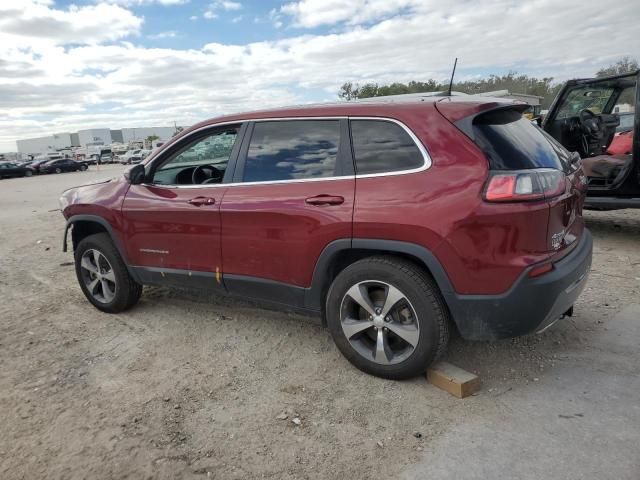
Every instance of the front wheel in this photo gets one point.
(387, 317)
(83, 168)
(58, 170)
(103, 276)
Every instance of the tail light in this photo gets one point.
(523, 185)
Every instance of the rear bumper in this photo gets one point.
(530, 305)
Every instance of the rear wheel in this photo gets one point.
(58, 170)
(387, 317)
(83, 168)
(28, 173)
(103, 276)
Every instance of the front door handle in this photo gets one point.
(199, 201)
(325, 200)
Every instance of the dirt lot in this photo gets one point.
(191, 386)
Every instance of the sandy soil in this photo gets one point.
(193, 386)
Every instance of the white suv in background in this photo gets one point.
(131, 156)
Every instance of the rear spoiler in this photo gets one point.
(463, 118)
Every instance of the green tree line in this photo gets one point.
(512, 81)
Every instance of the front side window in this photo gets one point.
(292, 150)
(203, 161)
(380, 146)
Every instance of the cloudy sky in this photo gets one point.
(131, 63)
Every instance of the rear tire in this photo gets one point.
(103, 276)
(58, 170)
(83, 168)
(28, 173)
(417, 312)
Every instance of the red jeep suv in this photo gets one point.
(394, 221)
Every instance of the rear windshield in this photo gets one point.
(512, 142)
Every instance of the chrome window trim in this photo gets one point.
(425, 155)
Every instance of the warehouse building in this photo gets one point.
(94, 136)
(90, 137)
(43, 145)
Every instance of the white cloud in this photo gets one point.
(75, 73)
(133, 3)
(275, 18)
(312, 13)
(229, 5)
(193, 18)
(162, 35)
(226, 5)
(40, 23)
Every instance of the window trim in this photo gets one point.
(344, 159)
(426, 159)
(241, 157)
(192, 139)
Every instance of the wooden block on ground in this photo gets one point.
(454, 380)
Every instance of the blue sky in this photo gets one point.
(67, 65)
(251, 22)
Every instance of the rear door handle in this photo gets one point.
(325, 200)
(199, 201)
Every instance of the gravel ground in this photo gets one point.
(192, 386)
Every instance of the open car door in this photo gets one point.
(584, 118)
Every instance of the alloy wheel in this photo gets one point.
(379, 322)
(98, 276)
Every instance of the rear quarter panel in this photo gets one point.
(482, 247)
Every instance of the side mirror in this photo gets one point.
(135, 175)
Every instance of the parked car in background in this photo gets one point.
(134, 156)
(11, 169)
(139, 155)
(581, 119)
(37, 163)
(62, 165)
(106, 157)
(391, 220)
(125, 158)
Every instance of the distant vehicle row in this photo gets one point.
(27, 169)
(126, 158)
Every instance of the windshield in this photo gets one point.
(592, 97)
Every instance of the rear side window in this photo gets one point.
(292, 150)
(512, 142)
(381, 146)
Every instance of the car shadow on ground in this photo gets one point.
(524, 359)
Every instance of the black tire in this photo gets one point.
(28, 173)
(417, 286)
(58, 170)
(127, 290)
(83, 168)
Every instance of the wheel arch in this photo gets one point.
(85, 225)
(339, 254)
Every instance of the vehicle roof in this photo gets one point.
(375, 107)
